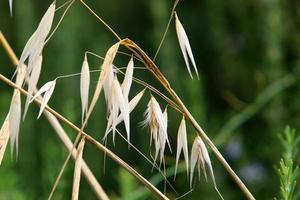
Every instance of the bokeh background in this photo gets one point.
(248, 56)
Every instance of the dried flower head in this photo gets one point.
(200, 156)
(182, 145)
(185, 46)
(47, 89)
(157, 122)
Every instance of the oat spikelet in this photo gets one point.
(107, 86)
(84, 86)
(163, 137)
(33, 80)
(182, 145)
(14, 120)
(35, 44)
(106, 70)
(4, 137)
(121, 105)
(158, 126)
(47, 89)
(128, 78)
(185, 46)
(132, 104)
(77, 170)
(200, 156)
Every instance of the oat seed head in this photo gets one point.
(185, 46)
(182, 145)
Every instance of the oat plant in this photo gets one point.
(119, 103)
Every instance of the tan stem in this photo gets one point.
(91, 140)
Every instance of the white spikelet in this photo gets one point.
(4, 137)
(21, 75)
(132, 104)
(200, 155)
(157, 122)
(84, 86)
(107, 86)
(163, 137)
(128, 78)
(185, 46)
(47, 89)
(10, 6)
(182, 145)
(14, 120)
(35, 44)
(32, 82)
(122, 105)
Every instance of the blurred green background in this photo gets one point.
(248, 56)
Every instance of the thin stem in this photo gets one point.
(63, 5)
(63, 168)
(147, 159)
(166, 30)
(91, 140)
(8, 50)
(59, 22)
(100, 19)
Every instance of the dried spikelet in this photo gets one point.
(106, 69)
(47, 89)
(158, 126)
(32, 82)
(200, 155)
(107, 86)
(182, 145)
(185, 46)
(132, 104)
(163, 137)
(77, 170)
(128, 78)
(119, 104)
(14, 120)
(4, 137)
(35, 44)
(84, 86)
(21, 75)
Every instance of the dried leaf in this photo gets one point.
(48, 89)
(185, 46)
(14, 120)
(128, 78)
(182, 144)
(84, 86)
(4, 137)
(77, 170)
(32, 82)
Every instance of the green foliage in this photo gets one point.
(287, 170)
